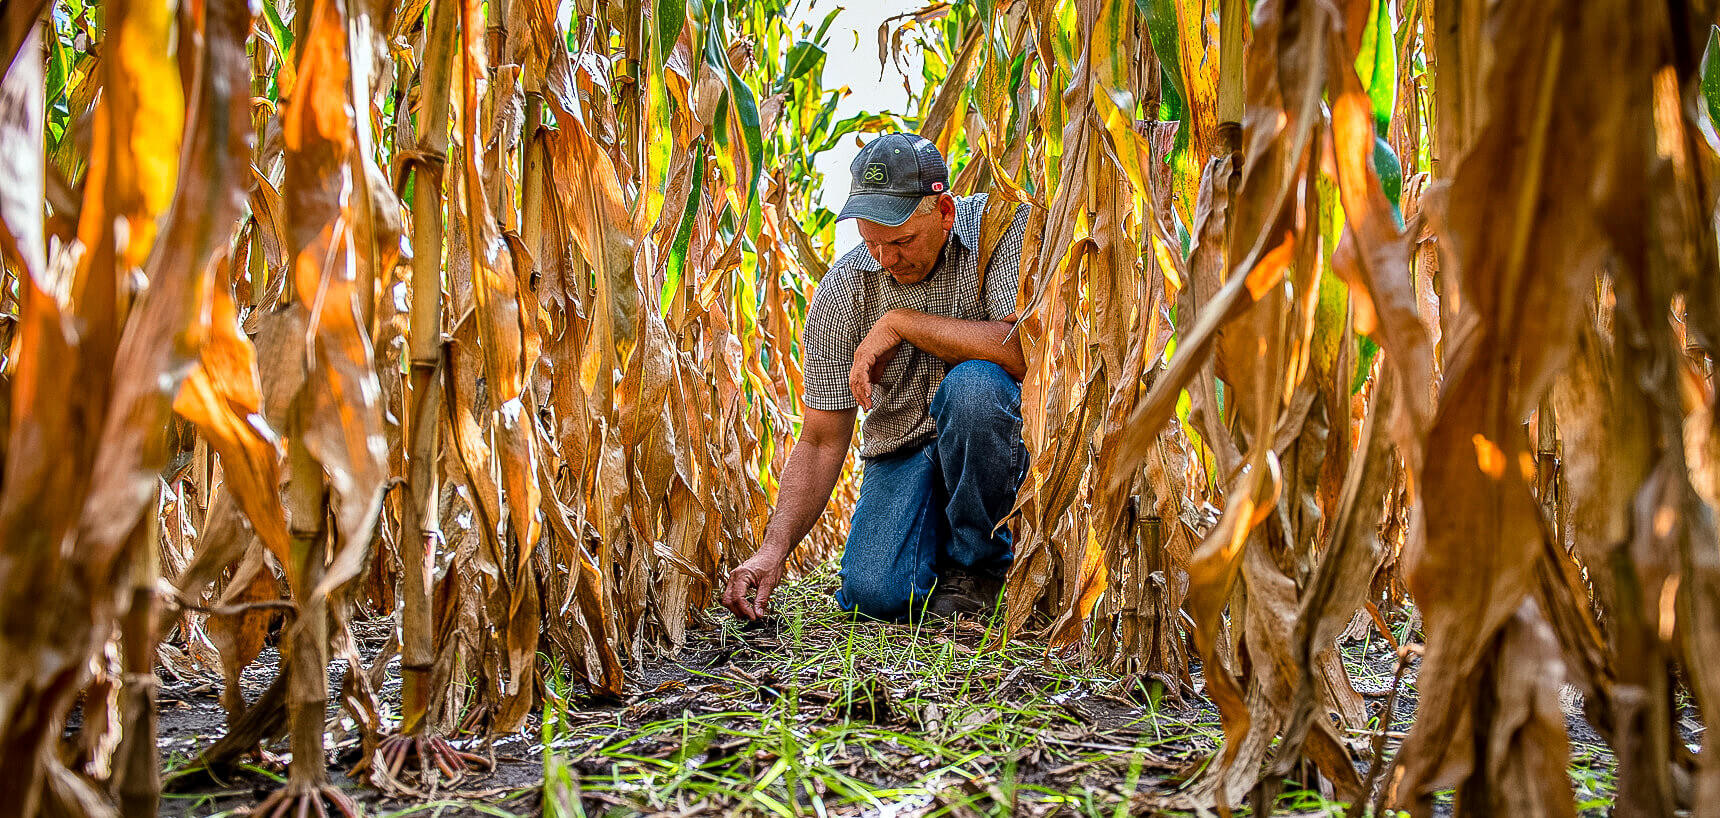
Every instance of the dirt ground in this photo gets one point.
(813, 714)
(190, 718)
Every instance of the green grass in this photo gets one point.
(435, 809)
(1594, 771)
(819, 715)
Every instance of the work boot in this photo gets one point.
(965, 593)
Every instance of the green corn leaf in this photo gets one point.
(1161, 16)
(824, 27)
(1390, 171)
(1365, 352)
(1376, 64)
(671, 15)
(1711, 76)
(803, 56)
(745, 110)
(278, 29)
(58, 72)
(684, 233)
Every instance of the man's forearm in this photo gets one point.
(953, 340)
(807, 482)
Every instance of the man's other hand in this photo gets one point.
(756, 578)
(872, 357)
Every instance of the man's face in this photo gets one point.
(909, 251)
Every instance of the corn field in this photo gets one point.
(485, 317)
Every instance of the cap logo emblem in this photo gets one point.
(937, 187)
(875, 174)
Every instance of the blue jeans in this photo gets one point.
(931, 508)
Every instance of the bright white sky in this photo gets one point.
(853, 61)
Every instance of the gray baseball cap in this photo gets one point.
(891, 174)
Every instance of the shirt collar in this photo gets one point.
(967, 225)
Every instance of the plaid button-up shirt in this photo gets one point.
(856, 292)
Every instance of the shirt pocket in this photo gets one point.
(898, 368)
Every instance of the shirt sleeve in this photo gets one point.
(828, 342)
(1003, 279)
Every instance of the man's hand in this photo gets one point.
(872, 357)
(814, 464)
(757, 577)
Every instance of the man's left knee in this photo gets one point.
(976, 388)
(875, 596)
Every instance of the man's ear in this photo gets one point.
(947, 211)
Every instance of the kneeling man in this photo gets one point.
(910, 328)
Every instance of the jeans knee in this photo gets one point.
(973, 389)
(875, 596)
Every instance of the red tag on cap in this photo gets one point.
(937, 186)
